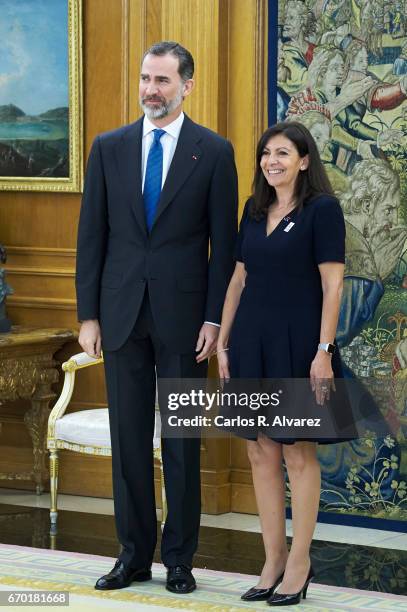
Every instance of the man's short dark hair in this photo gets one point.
(185, 59)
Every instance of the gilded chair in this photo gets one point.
(84, 431)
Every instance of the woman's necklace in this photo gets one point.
(278, 210)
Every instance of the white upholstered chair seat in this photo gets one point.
(91, 428)
(88, 427)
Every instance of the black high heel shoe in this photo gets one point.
(254, 594)
(289, 599)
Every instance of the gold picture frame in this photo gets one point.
(71, 160)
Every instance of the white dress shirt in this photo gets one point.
(168, 141)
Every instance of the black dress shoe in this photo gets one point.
(255, 594)
(289, 599)
(122, 576)
(180, 579)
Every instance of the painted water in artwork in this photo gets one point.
(342, 71)
(34, 108)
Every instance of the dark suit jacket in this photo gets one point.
(116, 256)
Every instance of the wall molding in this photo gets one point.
(125, 61)
(24, 270)
(32, 250)
(85, 405)
(25, 301)
(40, 257)
(136, 37)
(260, 69)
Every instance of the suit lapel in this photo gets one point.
(186, 158)
(128, 157)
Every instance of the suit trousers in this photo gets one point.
(131, 389)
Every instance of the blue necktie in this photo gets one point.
(153, 178)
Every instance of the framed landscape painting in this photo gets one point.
(41, 95)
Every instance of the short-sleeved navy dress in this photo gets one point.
(276, 330)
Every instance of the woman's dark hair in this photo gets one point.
(310, 182)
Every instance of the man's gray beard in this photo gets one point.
(159, 112)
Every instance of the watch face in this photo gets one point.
(327, 347)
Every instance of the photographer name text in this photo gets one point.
(238, 421)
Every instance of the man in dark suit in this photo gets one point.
(157, 193)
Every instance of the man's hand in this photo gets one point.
(90, 338)
(207, 339)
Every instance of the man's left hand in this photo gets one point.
(207, 339)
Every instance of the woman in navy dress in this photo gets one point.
(279, 321)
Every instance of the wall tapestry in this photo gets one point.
(341, 70)
(40, 95)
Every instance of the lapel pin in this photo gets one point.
(289, 226)
(194, 157)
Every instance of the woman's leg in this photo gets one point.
(304, 474)
(265, 457)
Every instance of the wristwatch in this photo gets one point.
(327, 347)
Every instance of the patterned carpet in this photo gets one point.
(37, 569)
